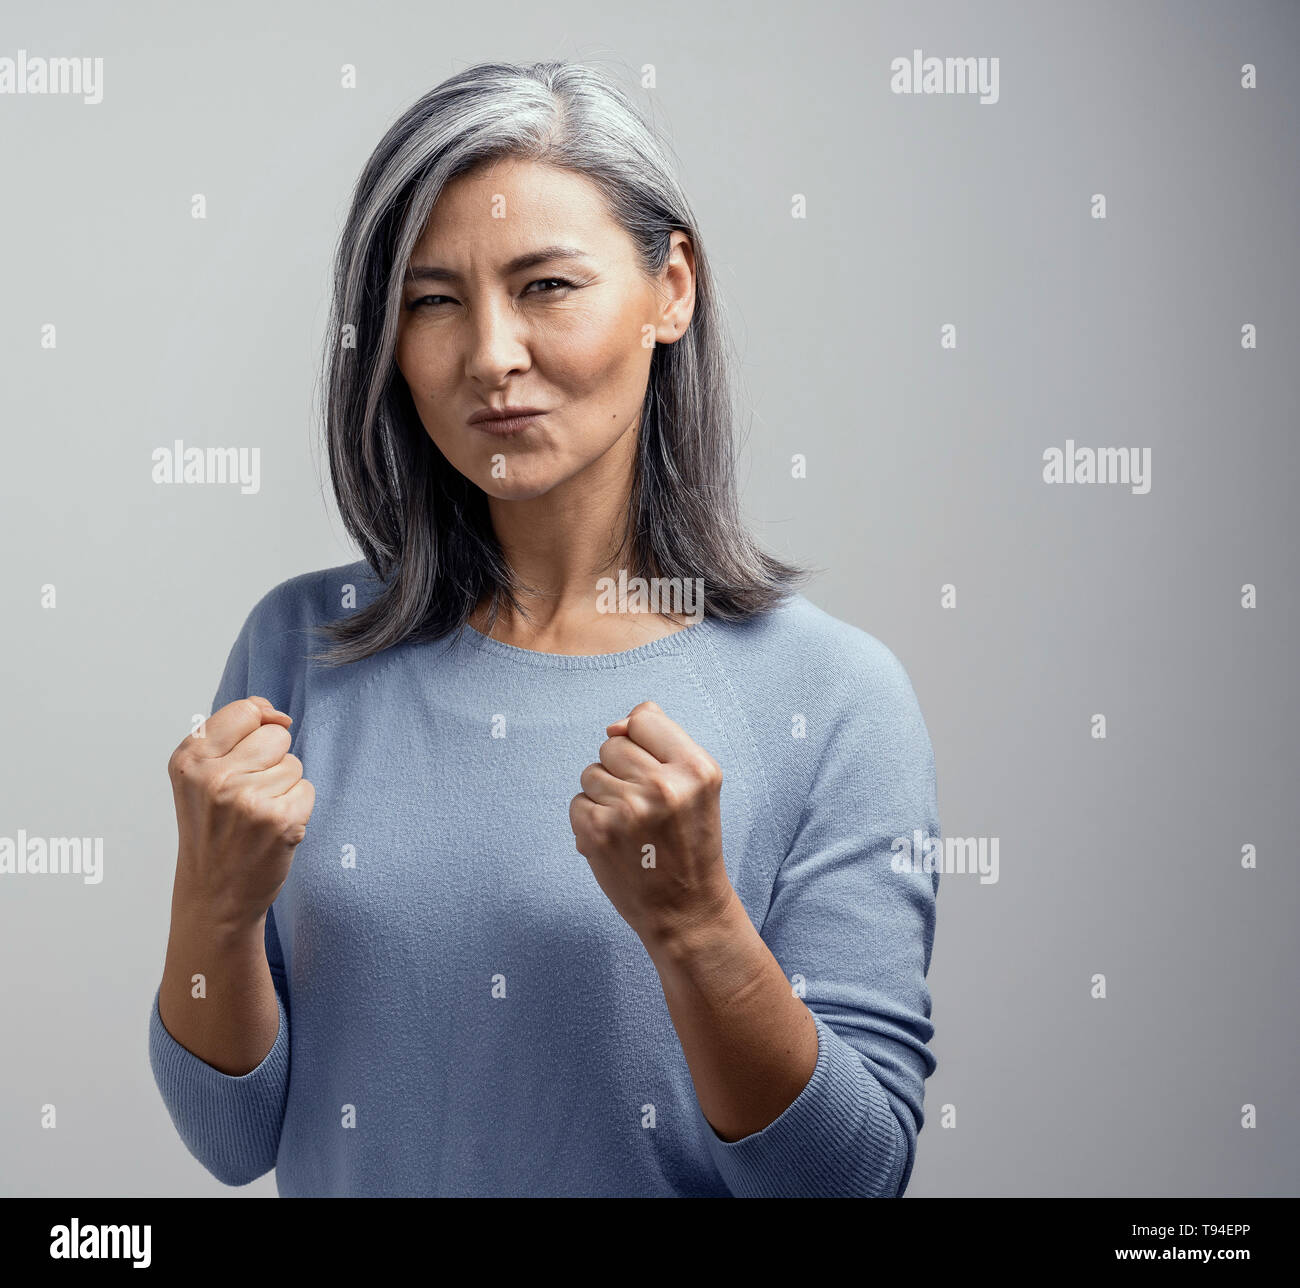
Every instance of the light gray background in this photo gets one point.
(1118, 856)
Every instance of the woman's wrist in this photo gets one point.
(684, 937)
(201, 913)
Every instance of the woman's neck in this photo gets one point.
(575, 624)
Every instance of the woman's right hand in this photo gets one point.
(242, 806)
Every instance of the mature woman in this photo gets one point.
(551, 849)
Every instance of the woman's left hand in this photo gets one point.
(649, 823)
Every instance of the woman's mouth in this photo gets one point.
(506, 425)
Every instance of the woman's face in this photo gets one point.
(570, 336)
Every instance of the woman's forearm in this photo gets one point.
(750, 1043)
(230, 1018)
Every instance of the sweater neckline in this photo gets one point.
(677, 642)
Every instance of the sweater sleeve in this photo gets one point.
(854, 936)
(232, 1124)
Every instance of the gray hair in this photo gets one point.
(424, 528)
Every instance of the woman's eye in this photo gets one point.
(550, 286)
(559, 283)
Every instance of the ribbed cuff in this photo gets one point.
(230, 1124)
(838, 1139)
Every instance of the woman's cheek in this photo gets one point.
(604, 364)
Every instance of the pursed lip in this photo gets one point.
(504, 413)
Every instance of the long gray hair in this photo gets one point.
(424, 528)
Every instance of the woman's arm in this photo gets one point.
(217, 998)
(219, 1045)
(844, 946)
(219, 1026)
(751, 1044)
(242, 807)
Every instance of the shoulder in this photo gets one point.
(271, 652)
(311, 598)
(829, 718)
(823, 701)
(802, 649)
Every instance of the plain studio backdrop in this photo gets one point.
(1119, 856)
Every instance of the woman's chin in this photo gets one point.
(524, 488)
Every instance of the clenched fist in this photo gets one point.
(648, 821)
(242, 806)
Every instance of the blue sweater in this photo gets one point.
(463, 1012)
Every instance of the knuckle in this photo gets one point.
(295, 811)
(294, 831)
(666, 791)
(624, 820)
(180, 762)
(253, 806)
(223, 788)
(705, 770)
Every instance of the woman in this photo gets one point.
(542, 879)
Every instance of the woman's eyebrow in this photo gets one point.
(432, 273)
